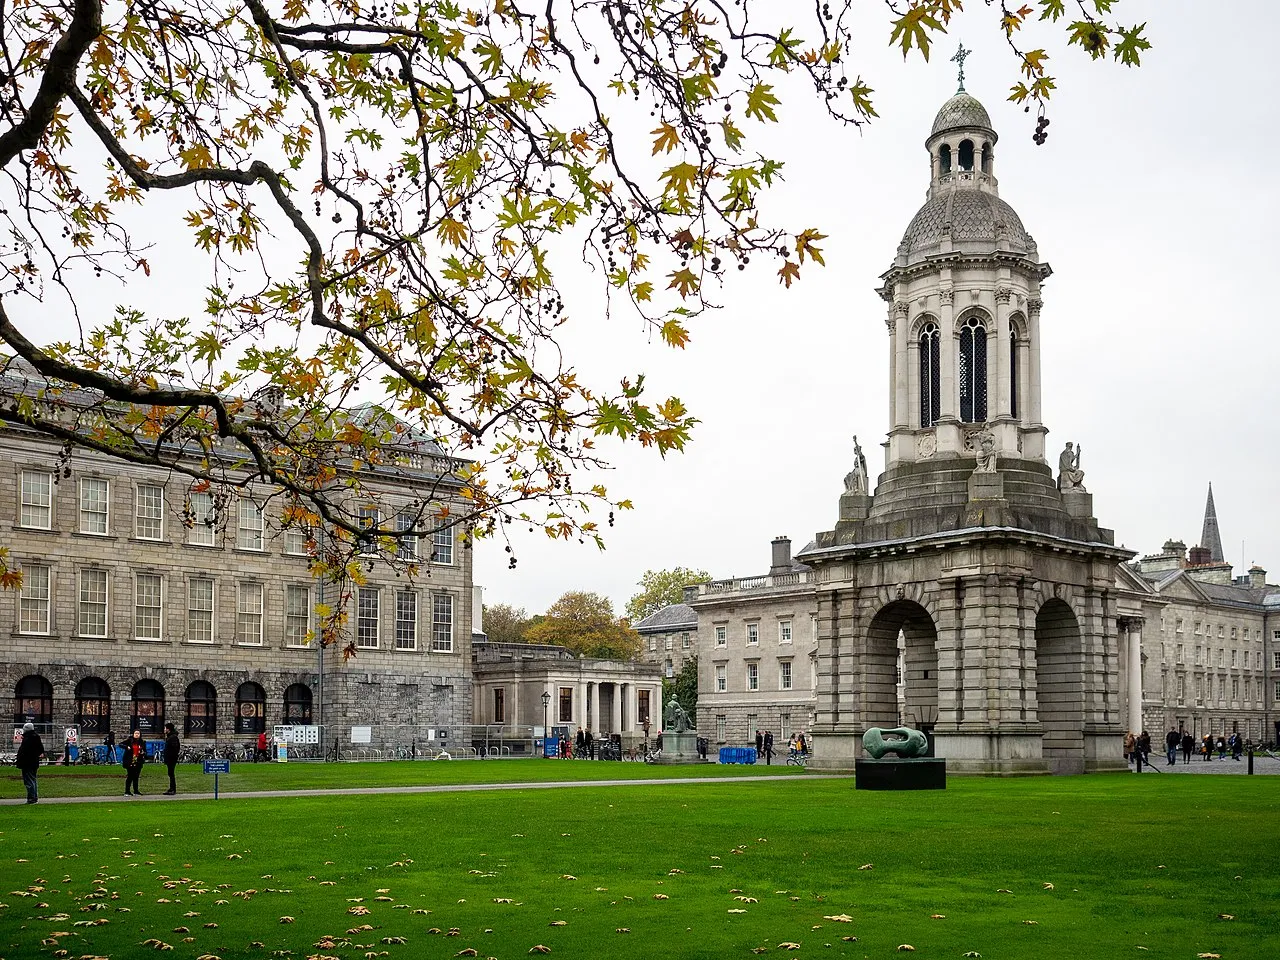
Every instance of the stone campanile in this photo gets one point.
(970, 565)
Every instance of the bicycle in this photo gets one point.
(797, 759)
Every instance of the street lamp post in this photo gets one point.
(546, 699)
(646, 736)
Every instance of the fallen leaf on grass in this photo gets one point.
(1003, 890)
(1032, 923)
(538, 947)
(840, 918)
(973, 954)
(788, 945)
(747, 899)
(867, 866)
(558, 923)
(622, 930)
(906, 948)
(849, 939)
(567, 876)
(1048, 886)
(937, 916)
(1209, 956)
(1226, 916)
(661, 896)
(735, 910)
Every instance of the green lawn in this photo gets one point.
(655, 870)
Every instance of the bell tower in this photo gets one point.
(972, 593)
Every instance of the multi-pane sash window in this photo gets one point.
(406, 620)
(722, 727)
(149, 510)
(33, 614)
(784, 631)
(297, 614)
(722, 680)
(93, 603)
(721, 636)
(367, 610)
(200, 610)
(753, 676)
(37, 500)
(368, 519)
(753, 634)
(204, 518)
(94, 492)
(251, 527)
(565, 701)
(442, 545)
(249, 613)
(442, 623)
(295, 540)
(408, 546)
(684, 641)
(146, 607)
(784, 675)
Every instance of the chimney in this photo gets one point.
(1257, 577)
(1178, 548)
(781, 556)
(1200, 556)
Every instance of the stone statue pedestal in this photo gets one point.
(1079, 502)
(679, 747)
(855, 506)
(917, 773)
(986, 486)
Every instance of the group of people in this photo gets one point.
(584, 744)
(1182, 741)
(764, 745)
(133, 754)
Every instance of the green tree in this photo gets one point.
(504, 623)
(376, 199)
(684, 687)
(661, 588)
(586, 624)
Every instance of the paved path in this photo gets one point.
(1263, 765)
(430, 788)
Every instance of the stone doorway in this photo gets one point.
(1060, 687)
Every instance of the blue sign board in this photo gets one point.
(217, 766)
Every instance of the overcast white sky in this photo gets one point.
(1154, 199)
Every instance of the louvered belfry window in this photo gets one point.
(973, 371)
(930, 407)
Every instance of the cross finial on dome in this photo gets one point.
(959, 58)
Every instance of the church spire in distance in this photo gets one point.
(1210, 538)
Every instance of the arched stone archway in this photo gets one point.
(1060, 687)
(918, 706)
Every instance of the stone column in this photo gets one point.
(950, 401)
(617, 708)
(999, 376)
(1133, 627)
(1031, 398)
(899, 415)
(593, 711)
(580, 717)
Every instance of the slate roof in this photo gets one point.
(674, 616)
(962, 110)
(964, 216)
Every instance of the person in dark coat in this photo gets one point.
(1188, 746)
(28, 760)
(759, 743)
(172, 747)
(768, 747)
(579, 744)
(1171, 741)
(590, 741)
(135, 755)
(110, 744)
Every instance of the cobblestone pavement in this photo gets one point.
(1263, 765)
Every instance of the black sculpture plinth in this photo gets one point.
(919, 773)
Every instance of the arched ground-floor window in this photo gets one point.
(297, 703)
(146, 713)
(251, 708)
(33, 701)
(93, 706)
(202, 710)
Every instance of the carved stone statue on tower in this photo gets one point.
(985, 449)
(1070, 476)
(855, 481)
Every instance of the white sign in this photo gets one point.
(298, 733)
(362, 734)
(73, 735)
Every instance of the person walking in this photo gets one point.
(579, 745)
(1237, 746)
(172, 747)
(590, 742)
(1206, 745)
(768, 747)
(1188, 745)
(261, 752)
(1129, 742)
(1222, 748)
(135, 755)
(1171, 742)
(28, 760)
(759, 743)
(1144, 747)
(110, 744)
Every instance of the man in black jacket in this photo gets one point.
(171, 750)
(28, 760)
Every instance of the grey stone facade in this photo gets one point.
(669, 637)
(121, 595)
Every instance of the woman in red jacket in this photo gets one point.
(135, 755)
